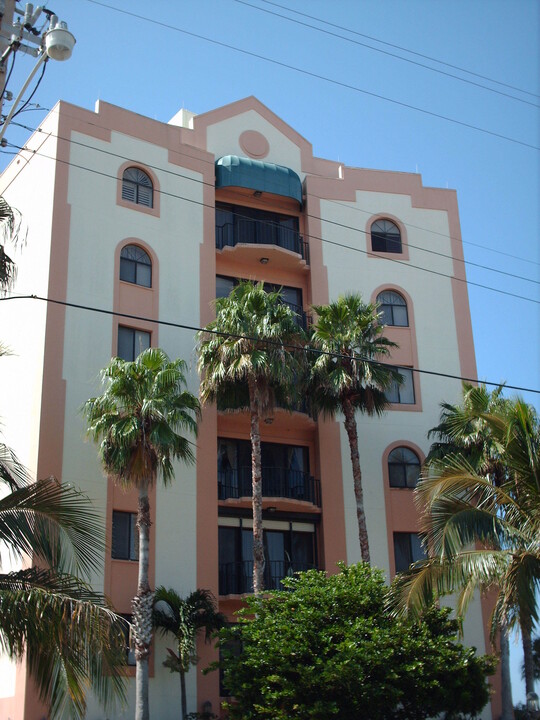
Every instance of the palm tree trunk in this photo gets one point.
(183, 699)
(256, 491)
(528, 661)
(507, 709)
(142, 610)
(350, 427)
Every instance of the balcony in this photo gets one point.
(249, 231)
(236, 578)
(277, 482)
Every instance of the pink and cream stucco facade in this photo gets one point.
(216, 205)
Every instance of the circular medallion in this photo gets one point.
(254, 144)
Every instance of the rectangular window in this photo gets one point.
(291, 296)
(407, 549)
(236, 224)
(285, 551)
(125, 537)
(132, 342)
(402, 393)
(285, 470)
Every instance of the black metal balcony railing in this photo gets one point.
(303, 320)
(236, 578)
(276, 482)
(260, 232)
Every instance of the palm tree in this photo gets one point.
(137, 421)
(481, 520)
(462, 430)
(184, 618)
(9, 230)
(251, 346)
(347, 376)
(71, 638)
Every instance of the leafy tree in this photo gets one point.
(137, 421)
(327, 648)
(71, 638)
(184, 618)
(250, 347)
(346, 379)
(482, 519)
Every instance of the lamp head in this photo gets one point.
(59, 42)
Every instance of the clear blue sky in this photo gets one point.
(154, 70)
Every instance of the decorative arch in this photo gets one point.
(401, 512)
(137, 300)
(404, 254)
(406, 354)
(155, 209)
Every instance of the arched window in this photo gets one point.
(385, 237)
(393, 309)
(135, 266)
(403, 468)
(137, 187)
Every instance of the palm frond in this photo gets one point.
(71, 638)
(53, 523)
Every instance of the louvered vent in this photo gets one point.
(137, 187)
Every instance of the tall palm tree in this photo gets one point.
(184, 618)
(250, 346)
(481, 522)
(137, 421)
(347, 377)
(71, 638)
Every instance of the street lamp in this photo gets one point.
(57, 43)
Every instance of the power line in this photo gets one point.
(315, 217)
(318, 76)
(324, 240)
(196, 328)
(386, 52)
(404, 49)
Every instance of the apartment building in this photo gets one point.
(134, 227)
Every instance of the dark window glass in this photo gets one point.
(135, 266)
(224, 285)
(392, 309)
(286, 552)
(130, 652)
(402, 393)
(137, 187)
(125, 538)
(237, 224)
(385, 237)
(407, 549)
(132, 342)
(285, 470)
(291, 296)
(403, 468)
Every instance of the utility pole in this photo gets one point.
(19, 35)
(7, 8)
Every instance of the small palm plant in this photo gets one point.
(138, 421)
(184, 618)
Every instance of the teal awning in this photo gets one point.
(234, 171)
